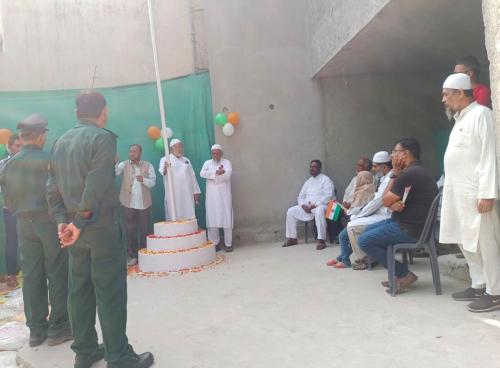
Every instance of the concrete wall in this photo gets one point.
(368, 113)
(58, 44)
(333, 23)
(491, 14)
(258, 56)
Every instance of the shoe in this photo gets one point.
(485, 303)
(228, 249)
(58, 340)
(469, 294)
(340, 265)
(12, 282)
(385, 284)
(218, 248)
(404, 283)
(332, 262)
(143, 360)
(290, 242)
(87, 360)
(131, 262)
(321, 245)
(36, 340)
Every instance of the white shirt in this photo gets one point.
(316, 190)
(136, 201)
(375, 206)
(349, 191)
(219, 208)
(470, 174)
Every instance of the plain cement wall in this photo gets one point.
(333, 23)
(258, 56)
(58, 44)
(368, 113)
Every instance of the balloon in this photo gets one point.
(154, 132)
(233, 118)
(5, 135)
(220, 119)
(3, 150)
(228, 129)
(160, 145)
(170, 133)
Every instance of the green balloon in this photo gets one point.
(160, 145)
(3, 150)
(221, 119)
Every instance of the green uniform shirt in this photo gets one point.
(24, 180)
(82, 173)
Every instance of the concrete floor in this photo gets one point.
(267, 306)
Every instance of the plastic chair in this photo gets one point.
(427, 241)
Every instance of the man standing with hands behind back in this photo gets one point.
(469, 212)
(84, 201)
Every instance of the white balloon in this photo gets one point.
(228, 129)
(170, 133)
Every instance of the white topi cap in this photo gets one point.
(381, 157)
(458, 81)
(174, 141)
(216, 147)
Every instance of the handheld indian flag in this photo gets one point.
(333, 210)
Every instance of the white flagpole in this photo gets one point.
(171, 198)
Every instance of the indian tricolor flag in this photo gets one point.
(333, 211)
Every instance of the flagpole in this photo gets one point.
(171, 198)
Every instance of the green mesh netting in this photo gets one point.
(188, 105)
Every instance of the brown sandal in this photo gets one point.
(360, 266)
(290, 242)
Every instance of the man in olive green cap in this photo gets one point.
(24, 186)
(84, 201)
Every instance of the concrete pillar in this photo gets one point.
(491, 16)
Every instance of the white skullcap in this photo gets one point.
(174, 142)
(381, 157)
(458, 81)
(216, 147)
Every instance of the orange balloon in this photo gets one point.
(233, 118)
(154, 132)
(5, 135)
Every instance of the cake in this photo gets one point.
(175, 246)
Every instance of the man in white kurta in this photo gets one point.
(186, 188)
(374, 211)
(469, 212)
(218, 204)
(312, 201)
(363, 164)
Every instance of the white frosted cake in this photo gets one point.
(176, 245)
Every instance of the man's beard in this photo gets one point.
(449, 113)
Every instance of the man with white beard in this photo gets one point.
(186, 189)
(218, 204)
(469, 213)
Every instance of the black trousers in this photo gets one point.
(137, 225)
(10, 242)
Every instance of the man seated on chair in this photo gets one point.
(373, 212)
(312, 201)
(409, 195)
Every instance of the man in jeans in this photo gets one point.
(409, 195)
(135, 196)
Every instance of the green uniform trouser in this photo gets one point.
(43, 259)
(98, 278)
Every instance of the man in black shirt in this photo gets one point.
(409, 195)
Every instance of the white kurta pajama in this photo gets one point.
(218, 204)
(318, 191)
(185, 187)
(470, 175)
(373, 212)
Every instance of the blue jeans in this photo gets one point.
(377, 237)
(345, 248)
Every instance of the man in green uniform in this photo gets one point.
(84, 201)
(24, 187)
